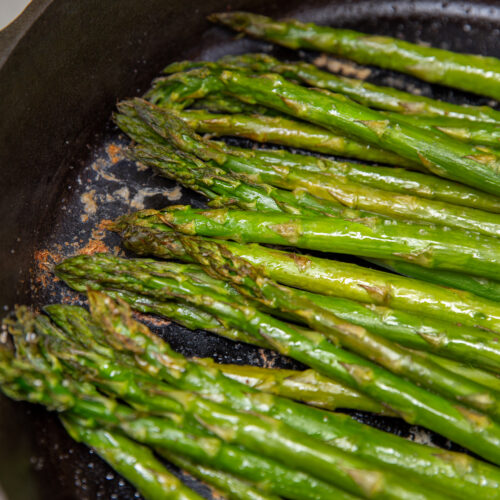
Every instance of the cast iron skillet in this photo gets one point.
(63, 66)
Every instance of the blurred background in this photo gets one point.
(10, 9)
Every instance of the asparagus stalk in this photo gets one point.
(410, 401)
(440, 466)
(233, 488)
(368, 94)
(427, 246)
(134, 462)
(479, 133)
(278, 441)
(224, 189)
(387, 178)
(472, 73)
(439, 153)
(469, 345)
(283, 131)
(143, 392)
(270, 475)
(306, 386)
(483, 287)
(263, 128)
(334, 187)
(159, 355)
(165, 433)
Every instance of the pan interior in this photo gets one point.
(95, 182)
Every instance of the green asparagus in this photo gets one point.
(233, 488)
(373, 96)
(411, 365)
(284, 131)
(428, 246)
(267, 436)
(333, 362)
(387, 178)
(224, 189)
(439, 153)
(414, 404)
(473, 73)
(479, 133)
(442, 465)
(146, 236)
(165, 433)
(309, 386)
(133, 461)
(157, 354)
(334, 187)
(483, 287)
(469, 345)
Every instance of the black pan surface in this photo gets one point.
(62, 171)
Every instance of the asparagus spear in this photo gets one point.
(475, 125)
(133, 279)
(387, 178)
(307, 386)
(437, 152)
(224, 189)
(233, 488)
(478, 133)
(271, 129)
(285, 131)
(483, 287)
(440, 466)
(133, 461)
(142, 391)
(334, 187)
(473, 73)
(413, 366)
(457, 125)
(427, 246)
(373, 96)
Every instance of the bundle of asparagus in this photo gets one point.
(371, 340)
(380, 181)
(436, 151)
(113, 381)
